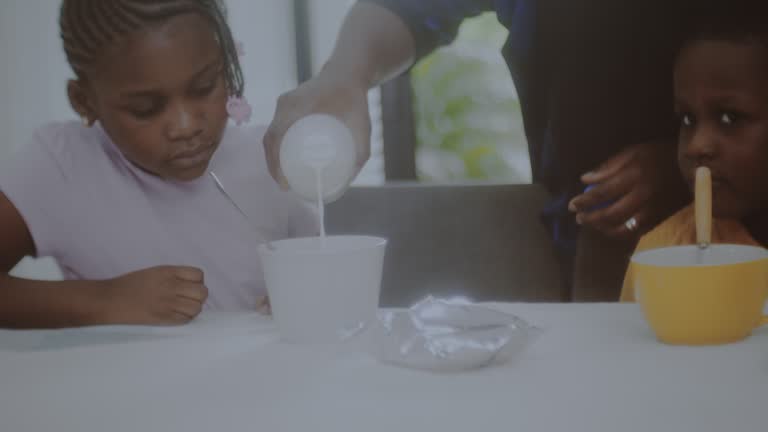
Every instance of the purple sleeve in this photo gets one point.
(35, 184)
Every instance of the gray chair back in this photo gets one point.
(485, 242)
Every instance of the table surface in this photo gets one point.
(596, 367)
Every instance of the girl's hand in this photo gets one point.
(155, 296)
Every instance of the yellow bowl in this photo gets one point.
(691, 296)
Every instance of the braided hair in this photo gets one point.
(88, 26)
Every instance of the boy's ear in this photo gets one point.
(80, 101)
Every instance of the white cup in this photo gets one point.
(320, 289)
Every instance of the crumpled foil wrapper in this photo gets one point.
(450, 335)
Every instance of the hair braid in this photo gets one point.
(89, 26)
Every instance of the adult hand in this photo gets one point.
(327, 93)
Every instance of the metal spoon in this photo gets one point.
(219, 185)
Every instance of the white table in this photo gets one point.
(596, 368)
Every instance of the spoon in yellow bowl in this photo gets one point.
(703, 207)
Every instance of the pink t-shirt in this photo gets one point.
(100, 216)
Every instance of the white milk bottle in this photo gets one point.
(318, 157)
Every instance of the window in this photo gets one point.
(467, 115)
(456, 119)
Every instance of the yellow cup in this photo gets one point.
(702, 297)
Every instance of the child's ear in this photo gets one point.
(80, 101)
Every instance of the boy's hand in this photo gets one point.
(156, 296)
(641, 185)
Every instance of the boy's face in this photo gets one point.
(160, 95)
(721, 97)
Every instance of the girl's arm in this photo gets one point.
(160, 295)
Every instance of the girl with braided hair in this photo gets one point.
(125, 200)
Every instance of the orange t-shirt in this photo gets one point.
(680, 230)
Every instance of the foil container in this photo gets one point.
(449, 335)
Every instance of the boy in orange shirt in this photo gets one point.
(721, 98)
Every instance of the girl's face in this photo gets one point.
(160, 95)
(721, 97)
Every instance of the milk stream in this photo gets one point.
(320, 204)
